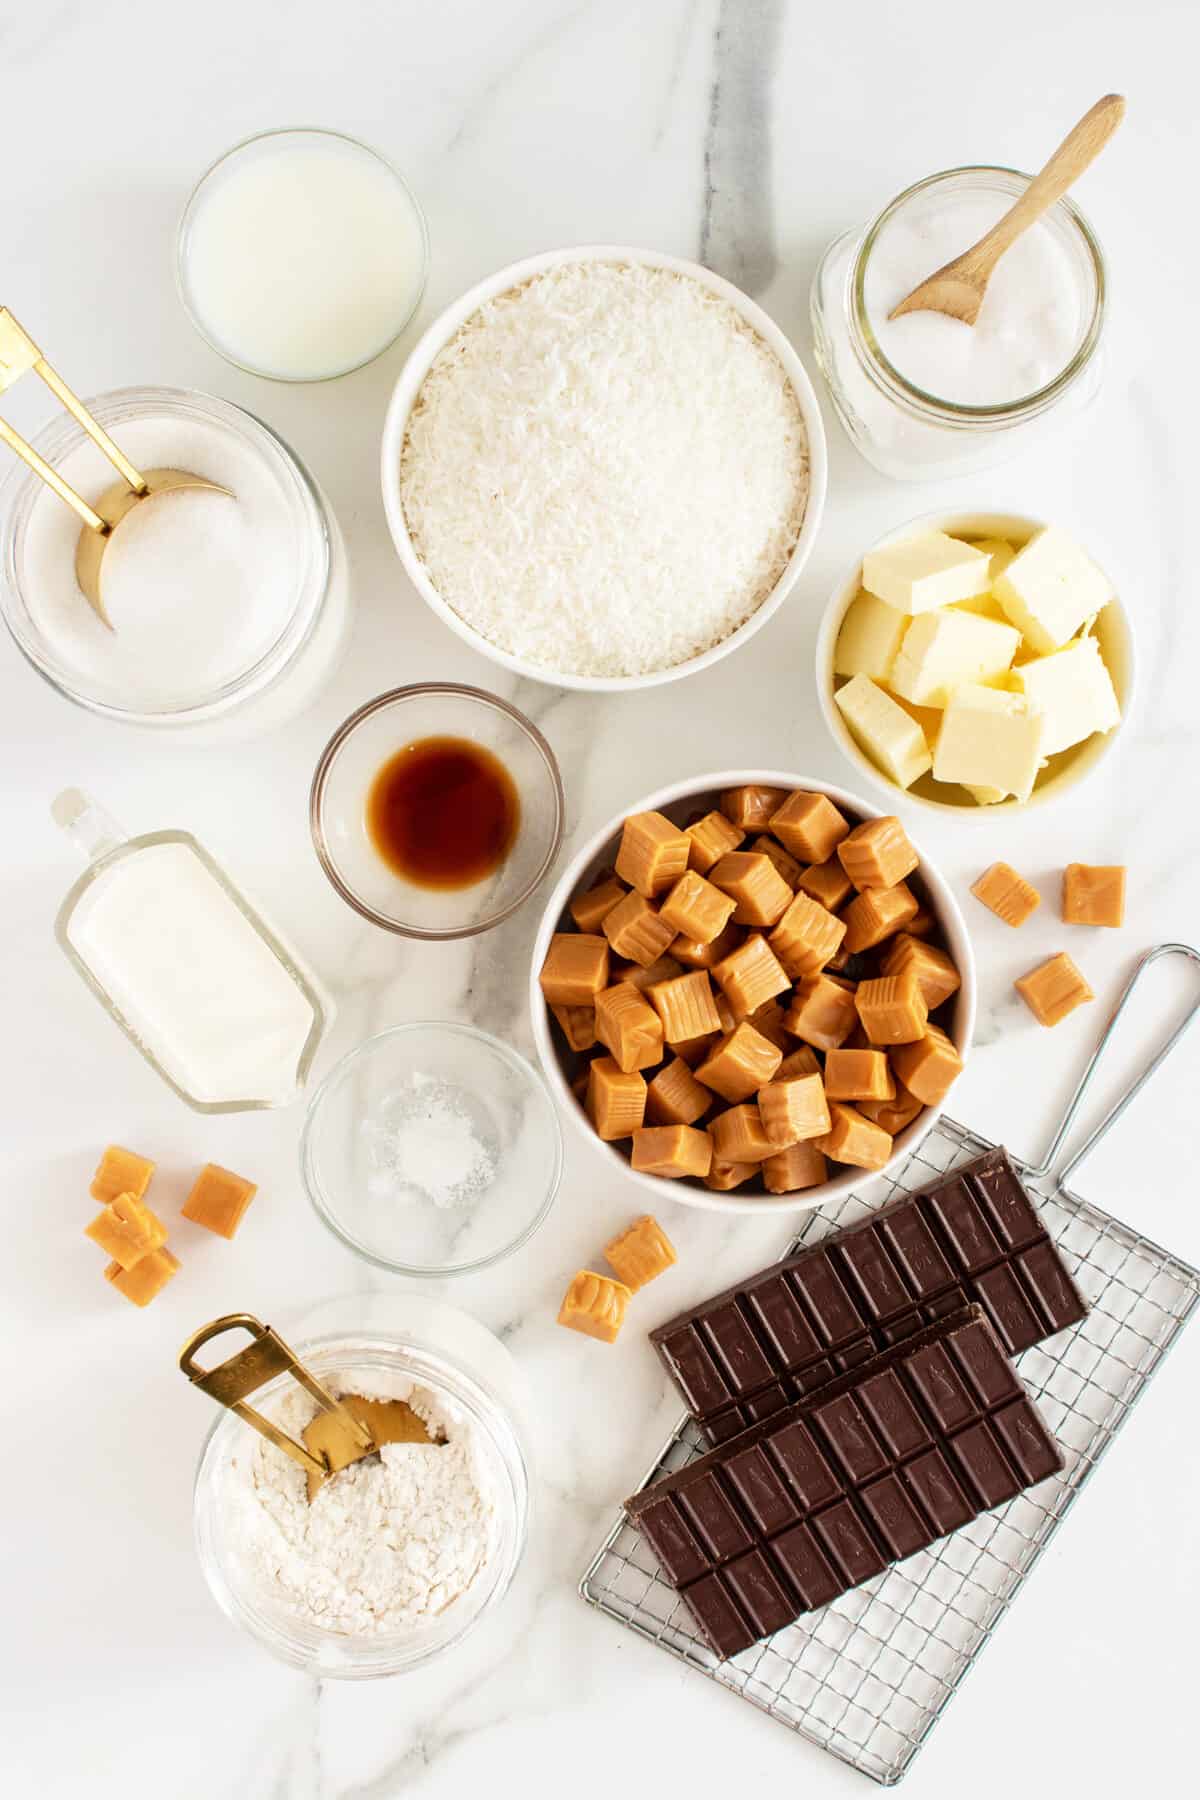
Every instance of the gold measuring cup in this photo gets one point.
(18, 355)
(343, 1432)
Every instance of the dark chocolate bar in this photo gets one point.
(878, 1465)
(972, 1238)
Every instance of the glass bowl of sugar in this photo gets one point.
(432, 1149)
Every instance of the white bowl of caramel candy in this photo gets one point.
(752, 991)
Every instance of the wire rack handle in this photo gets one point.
(1131, 1093)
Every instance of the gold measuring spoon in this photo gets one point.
(343, 1431)
(19, 354)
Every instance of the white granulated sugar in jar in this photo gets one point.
(606, 470)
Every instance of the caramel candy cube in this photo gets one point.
(1052, 990)
(923, 925)
(695, 955)
(794, 1110)
(800, 1061)
(653, 854)
(575, 969)
(767, 1020)
(694, 1050)
(929, 1068)
(672, 1151)
(740, 1064)
(148, 1276)
(761, 894)
(799, 1166)
(120, 1172)
(893, 1114)
(696, 909)
(219, 1199)
(936, 975)
(810, 826)
(685, 1006)
(876, 914)
(750, 976)
(595, 1306)
(577, 1024)
(1093, 894)
(751, 807)
(725, 1013)
(726, 1175)
(628, 1026)
(640, 1253)
(1006, 893)
(806, 936)
(783, 861)
(828, 883)
(615, 1101)
(663, 968)
(738, 1136)
(877, 854)
(892, 1008)
(853, 1138)
(711, 838)
(126, 1230)
(858, 1075)
(636, 930)
(590, 910)
(822, 1012)
(675, 1097)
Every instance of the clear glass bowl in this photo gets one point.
(372, 1127)
(349, 763)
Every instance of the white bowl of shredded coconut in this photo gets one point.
(603, 467)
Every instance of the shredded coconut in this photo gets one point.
(606, 470)
(430, 1141)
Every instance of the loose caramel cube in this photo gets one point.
(738, 1136)
(577, 1024)
(806, 936)
(148, 1276)
(590, 910)
(663, 968)
(936, 975)
(653, 854)
(783, 862)
(793, 1110)
(767, 1020)
(615, 1101)
(858, 1075)
(694, 955)
(928, 1068)
(822, 1012)
(1093, 894)
(685, 1006)
(877, 854)
(672, 1151)
(640, 1253)
(827, 883)
(120, 1172)
(726, 1175)
(675, 1097)
(126, 1230)
(751, 807)
(854, 1139)
(575, 969)
(219, 1199)
(800, 1061)
(799, 1166)
(761, 893)
(1052, 990)
(740, 1064)
(810, 826)
(629, 1027)
(894, 1114)
(696, 909)
(1006, 893)
(876, 914)
(750, 976)
(595, 1306)
(711, 838)
(892, 1009)
(637, 930)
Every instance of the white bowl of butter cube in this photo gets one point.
(976, 660)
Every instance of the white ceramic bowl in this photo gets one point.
(703, 794)
(1113, 631)
(439, 335)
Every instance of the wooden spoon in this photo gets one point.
(958, 289)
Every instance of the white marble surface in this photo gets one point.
(749, 133)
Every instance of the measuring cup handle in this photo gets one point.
(93, 831)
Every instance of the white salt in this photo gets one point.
(430, 1141)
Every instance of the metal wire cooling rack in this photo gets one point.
(867, 1677)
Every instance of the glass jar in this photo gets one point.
(286, 662)
(364, 1343)
(904, 431)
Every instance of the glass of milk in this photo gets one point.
(302, 255)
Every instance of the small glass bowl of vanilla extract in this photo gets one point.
(436, 810)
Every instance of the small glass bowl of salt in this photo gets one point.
(432, 1149)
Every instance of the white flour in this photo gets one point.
(387, 1544)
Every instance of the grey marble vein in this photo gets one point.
(737, 233)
